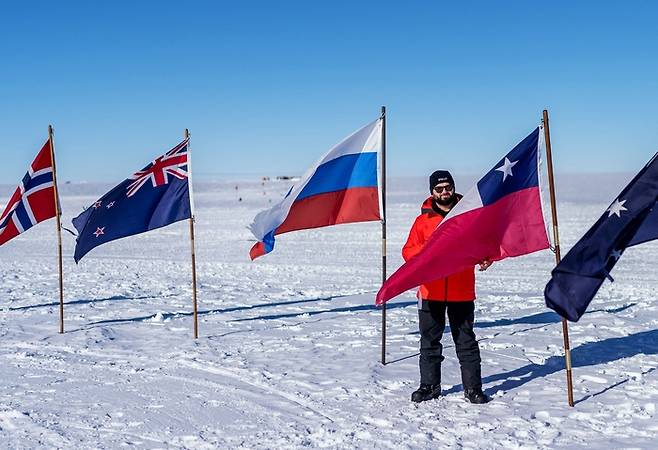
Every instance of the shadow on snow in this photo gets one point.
(232, 309)
(357, 308)
(547, 317)
(588, 354)
(544, 318)
(88, 301)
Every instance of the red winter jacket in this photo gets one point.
(459, 287)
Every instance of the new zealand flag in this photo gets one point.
(156, 196)
(631, 219)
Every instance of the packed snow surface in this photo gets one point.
(289, 349)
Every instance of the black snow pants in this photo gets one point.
(432, 322)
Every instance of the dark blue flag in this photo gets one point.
(631, 219)
(156, 196)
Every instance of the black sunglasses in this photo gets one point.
(448, 188)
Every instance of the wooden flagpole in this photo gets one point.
(189, 180)
(556, 238)
(58, 214)
(383, 176)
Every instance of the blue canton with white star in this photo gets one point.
(516, 171)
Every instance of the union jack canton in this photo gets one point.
(173, 163)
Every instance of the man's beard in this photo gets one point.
(447, 202)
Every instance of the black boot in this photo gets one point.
(426, 392)
(475, 395)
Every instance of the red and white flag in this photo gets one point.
(33, 200)
(501, 216)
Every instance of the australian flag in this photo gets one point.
(631, 219)
(156, 196)
(33, 200)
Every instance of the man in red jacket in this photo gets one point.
(454, 294)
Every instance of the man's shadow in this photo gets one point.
(588, 354)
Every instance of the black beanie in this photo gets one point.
(440, 176)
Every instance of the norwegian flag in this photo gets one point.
(153, 197)
(33, 200)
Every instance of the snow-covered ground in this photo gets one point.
(289, 346)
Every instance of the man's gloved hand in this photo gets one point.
(485, 264)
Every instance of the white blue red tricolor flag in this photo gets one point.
(501, 216)
(156, 196)
(33, 200)
(342, 187)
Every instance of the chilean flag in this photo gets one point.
(342, 187)
(501, 216)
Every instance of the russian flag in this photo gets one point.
(342, 187)
(500, 217)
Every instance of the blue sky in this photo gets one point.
(267, 87)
